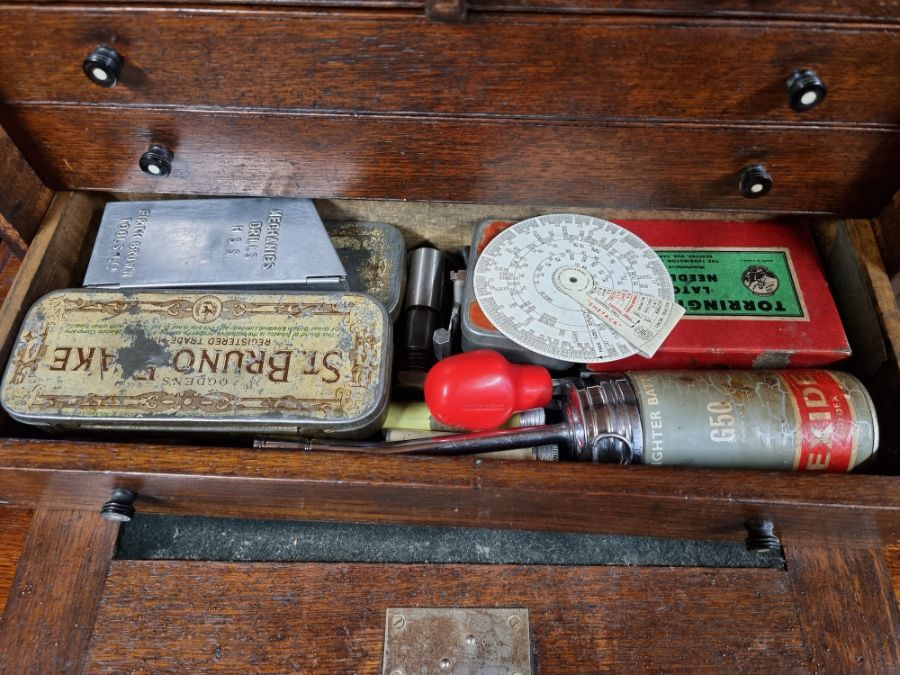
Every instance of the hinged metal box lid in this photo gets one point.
(255, 243)
(249, 363)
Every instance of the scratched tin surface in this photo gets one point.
(257, 244)
(251, 363)
(374, 257)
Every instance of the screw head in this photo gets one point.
(515, 621)
(398, 621)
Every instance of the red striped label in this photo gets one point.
(826, 419)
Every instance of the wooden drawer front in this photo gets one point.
(317, 618)
(874, 10)
(626, 165)
(886, 11)
(542, 67)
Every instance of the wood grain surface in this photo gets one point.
(450, 11)
(9, 267)
(23, 196)
(677, 503)
(50, 611)
(329, 618)
(487, 161)
(871, 10)
(887, 230)
(884, 383)
(866, 246)
(887, 11)
(847, 608)
(14, 524)
(611, 68)
(891, 555)
(55, 253)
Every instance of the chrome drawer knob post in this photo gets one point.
(805, 90)
(103, 66)
(120, 507)
(755, 181)
(157, 161)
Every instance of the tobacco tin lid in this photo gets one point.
(374, 255)
(309, 363)
(254, 243)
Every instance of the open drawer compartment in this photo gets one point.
(859, 510)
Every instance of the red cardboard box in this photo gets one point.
(754, 294)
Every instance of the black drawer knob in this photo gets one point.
(120, 507)
(805, 90)
(755, 181)
(157, 161)
(103, 66)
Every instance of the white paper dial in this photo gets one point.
(576, 288)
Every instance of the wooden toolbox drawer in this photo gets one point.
(672, 166)
(531, 66)
(832, 525)
(196, 479)
(639, 112)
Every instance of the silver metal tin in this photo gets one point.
(475, 330)
(255, 244)
(374, 255)
(250, 363)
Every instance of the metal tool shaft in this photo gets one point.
(450, 445)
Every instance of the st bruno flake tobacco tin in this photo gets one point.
(252, 363)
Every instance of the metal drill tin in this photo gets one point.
(476, 330)
(250, 363)
(374, 255)
(254, 244)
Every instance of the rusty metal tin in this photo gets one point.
(374, 257)
(248, 363)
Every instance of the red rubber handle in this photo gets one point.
(481, 390)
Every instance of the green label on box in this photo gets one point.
(744, 283)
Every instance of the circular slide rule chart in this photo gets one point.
(576, 288)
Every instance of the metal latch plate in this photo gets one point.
(420, 641)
